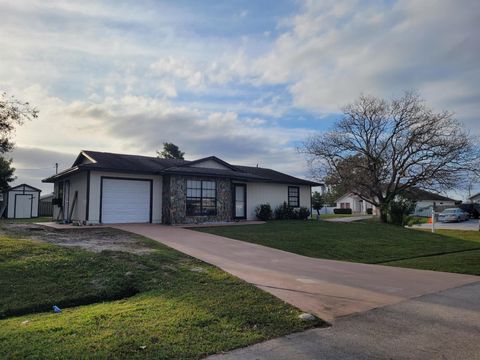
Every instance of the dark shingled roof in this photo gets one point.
(419, 194)
(154, 165)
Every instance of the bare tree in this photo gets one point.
(381, 149)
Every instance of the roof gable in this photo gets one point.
(24, 187)
(83, 158)
(211, 162)
(475, 197)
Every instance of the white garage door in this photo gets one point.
(23, 206)
(125, 201)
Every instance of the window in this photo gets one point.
(345, 205)
(201, 198)
(294, 196)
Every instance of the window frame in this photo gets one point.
(297, 196)
(201, 198)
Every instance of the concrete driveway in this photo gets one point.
(470, 225)
(330, 289)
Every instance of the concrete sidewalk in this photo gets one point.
(330, 289)
(347, 219)
(444, 325)
(470, 225)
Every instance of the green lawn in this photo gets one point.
(162, 310)
(366, 242)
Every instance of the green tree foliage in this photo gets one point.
(318, 201)
(12, 113)
(170, 151)
(6, 173)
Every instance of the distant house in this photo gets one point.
(426, 201)
(117, 188)
(354, 202)
(475, 199)
(21, 202)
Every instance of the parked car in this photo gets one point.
(453, 214)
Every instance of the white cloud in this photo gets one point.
(334, 50)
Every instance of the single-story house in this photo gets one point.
(21, 202)
(106, 188)
(425, 202)
(475, 199)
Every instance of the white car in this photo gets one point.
(452, 215)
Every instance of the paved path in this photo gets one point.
(470, 225)
(346, 219)
(327, 288)
(444, 325)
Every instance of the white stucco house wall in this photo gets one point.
(103, 188)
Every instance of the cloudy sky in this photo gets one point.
(244, 80)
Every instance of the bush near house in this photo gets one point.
(264, 212)
(286, 212)
(369, 211)
(302, 213)
(342, 211)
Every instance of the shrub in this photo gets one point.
(399, 209)
(284, 212)
(263, 212)
(369, 211)
(342, 211)
(302, 213)
(413, 220)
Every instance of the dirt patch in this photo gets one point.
(91, 239)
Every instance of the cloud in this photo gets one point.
(33, 164)
(334, 50)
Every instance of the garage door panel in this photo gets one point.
(126, 201)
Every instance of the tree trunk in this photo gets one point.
(384, 213)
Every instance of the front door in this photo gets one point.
(240, 201)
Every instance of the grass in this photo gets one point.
(366, 242)
(163, 309)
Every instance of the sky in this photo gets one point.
(246, 81)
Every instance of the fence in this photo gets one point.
(45, 209)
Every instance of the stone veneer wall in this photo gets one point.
(175, 205)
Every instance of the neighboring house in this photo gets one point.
(475, 199)
(115, 188)
(21, 202)
(425, 201)
(354, 202)
(46, 206)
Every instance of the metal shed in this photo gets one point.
(21, 202)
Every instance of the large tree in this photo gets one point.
(13, 112)
(171, 151)
(381, 148)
